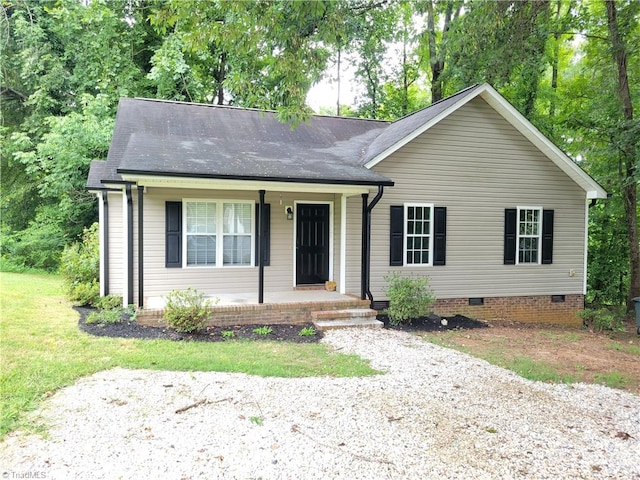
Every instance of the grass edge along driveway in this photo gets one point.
(42, 350)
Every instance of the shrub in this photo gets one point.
(409, 298)
(80, 268)
(108, 316)
(602, 319)
(186, 310)
(108, 302)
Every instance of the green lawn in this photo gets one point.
(42, 349)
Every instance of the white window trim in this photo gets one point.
(219, 231)
(539, 236)
(405, 230)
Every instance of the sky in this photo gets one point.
(325, 92)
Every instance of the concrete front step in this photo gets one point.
(353, 317)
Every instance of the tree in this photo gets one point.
(435, 42)
(67, 63)
(598, 127)
(627, 145)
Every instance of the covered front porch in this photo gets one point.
(321, 307)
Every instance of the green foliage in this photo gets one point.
(409, 298)
(228, 334)
(106, 316)
(108, 302)
(612, 379)
(257, 420)
(39, 245)
(186, 310)
(307, 332)
(602, 319)
(80, 268)
(264, 330)
(608, 264)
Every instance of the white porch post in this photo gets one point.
(342, 281)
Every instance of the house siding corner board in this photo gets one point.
(278, 276)
(476, 165)
(526, 309)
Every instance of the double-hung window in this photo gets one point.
(529, 234)
(419, 234)
(201, 230)
(218, 233)
(236, 233)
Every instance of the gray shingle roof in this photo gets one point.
(194, 140)
(165, 138)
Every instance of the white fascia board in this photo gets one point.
(546, 146)
(246, 185)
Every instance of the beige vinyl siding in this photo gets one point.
(354, 243)
(115, 243)
(476, 164)
(279, 275)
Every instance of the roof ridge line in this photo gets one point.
(251, 109)
(439, 101)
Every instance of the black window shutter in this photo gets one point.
(266, 232)
(547, 237)
(510, 234)
(396, 236)
(173, 227)
(439, 235)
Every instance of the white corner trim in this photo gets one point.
(342, 281)
(125, 252)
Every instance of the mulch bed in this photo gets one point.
(290, 333)
(435, 323)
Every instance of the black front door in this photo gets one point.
(312, 243)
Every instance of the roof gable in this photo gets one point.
(408, 128)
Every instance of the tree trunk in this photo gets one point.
(434, 63)
(220, 76)
(338, 99)
(628, 150)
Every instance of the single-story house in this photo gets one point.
(232, 202)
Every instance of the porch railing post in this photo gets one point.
(261, 248)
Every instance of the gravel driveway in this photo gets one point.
(435, 413)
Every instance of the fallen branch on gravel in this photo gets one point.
(193, 405)
(296, 429)
(202, 401)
